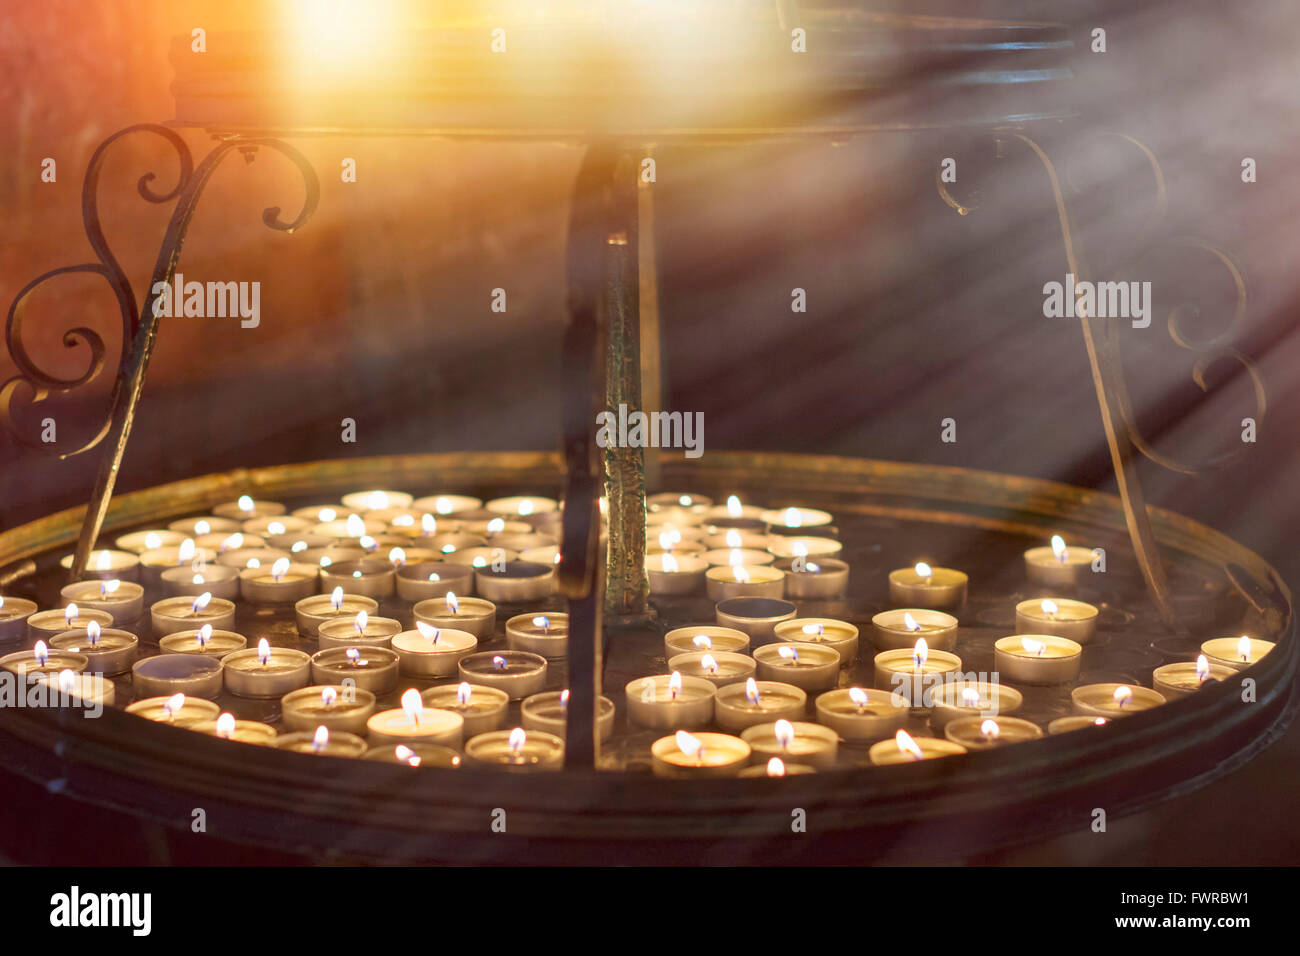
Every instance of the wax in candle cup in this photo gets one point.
(545, 633)
(450, 546)
(430, 651)
(670, 702)
(43, 661)
(369, 577)
(107, 650)
(266, 671)
(241, 558)
(245, 507)
(986, 733)
(1063, 725)
(447, 505)
(1060, 616)
(515, 583)
(335, 743)
(680, 548)
(333, 554)
(905, 748)
(687, 502)
(1236, 652)
(1114, 700)
(178, 710)
(205, 640)
(733, 538)
(717, 667)
(803, 546)
(1037, 659)
(281, 582)
(123, 601)
(961, 698)
(756, 616)
(1182, 678)
(695, 755)
(776, 768)
(681, 533)
(70, 689)
(839, 636)
(361, 630)
(14, 612)
(1059, 565)
(376, 500)
(167, 674)
(729, 557)
(298, 543)
(312, 612)
(518, 673)
(370, 668)
(738, 706)
(482, 708)
(240, 731)
(415, 754)
(413, 721)
(341, 707)
(43, 625)
(792, 741)
(743, 581)
(193, 580)
(900, 629)
(459, 613)
(819, 578)
(705, 637)
(185, 613)
(206, 545)
(203, 524)
(428, 580)
(923, 586)
(787, 518)
(492, 528)
(274, 525)
(107, 565)
(548, 712)
(138, 542)
(733, 509)
(675, 574)
(809, 666)
(861, 715)
(517, 750)
(522, 505)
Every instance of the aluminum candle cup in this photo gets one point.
(972, 699)
(516, 583)
(812, 549)
(106, 565)
(898, 670)
(43, 662)
(14, 613)
(663, 702)
(699, 755)
(369, 577)
(365, 501)
(787, 518)
(370, 668)
(336, 706)
(67, 688)
(44, 625)
(1114, 700)
(672, 574)
(547, 554)
(163, 710)
(744, 581)
(263, 586)
(1172, 681)
(705, 637)
(839, 636)
(216, 579)
(474, 615)
(1062, 617)
(138, 542)
(549, 712)
(820, 578)
(450, 545)
(265, 671)
(809, 666)
(900, 629)
(732, 512)
(415, 754)
(123, 601)
(522, 505)
(738, 706)
(888, 752)
(1232, 652)
(481, 708)
(942, 589)
(730, 557)
(516, 750)
(717, 667)
(446, 505)
(518, 673)
(241, 558)
(327, 744)
(377, 632)
(726, 540)
(757, 617)
(203, 524)
(106, 650)
(546, 634)
(796, 742)
(426, 725)
(348, 530)
(860, 715)
(167, 674)
(246, 507)
(240, 731)
(433, 579)
(428, 651)
(492, 528)
(985, 733)
(1059, 566)
(1063, 725)
(312, 612)
(207, 544)
(276, 526)
(185, 613)
(1037, 659)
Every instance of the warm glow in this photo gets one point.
(232, 543)
(428, 524)
(336, 598)
(275, 527)
(361, 621)
(407, 756)
(443, 506)
(526, 507)
(688, 744)
(245, 503)
(428, 631)
(789, 653)
(517, 740)
(498, 662)
(354, 527)
(1059, 549)
(397, 556)
(1122, 695)
(279, 569)
(253, 563)
(990, 730)
(1032, 646)
(733, 538)
(1050, 607)
(377, 501)
(734, 507)
(669, 563)
(226, 726)
(793, 518)
(675, 685)
(326, 514)
(204, 635)
(321, 739)
(858, 696)
(104, 561)
(173, 705)
(185, 553)
(202, 527)
(328, 695)
(200, 602)
(41, 653)
(751, 691)
(799, 549)
(924, 571)
(71, 613)
(367, 543)
(152, 542)
(907, 745)
(909, 622)
(453, 605)
(412, 705)
(709, 663)
(814, 630)
(564, 699)
(67, 681)
(920, 653)
(1243, 648)
(741, 574)
(784, 731)
(543, 622)
(703, 641)
(264, 651)
(775, 767)
(970, 697)
(496, 526)
(92, 632)
(1202, 668)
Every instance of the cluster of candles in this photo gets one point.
(727, 709)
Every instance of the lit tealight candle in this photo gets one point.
(544, 634)
(444, 506)
(699, 755)
(812, 548)
(46, 624)
(1060, 616)
(138, 542)
(265, 671)
(474, 615)
(902, 627)
(670, 701)
(518, 673)
(731, 557)
(369, 667)
(370, 577)
(677, 506)
(193, 580)
(786, 518)
(123, 600)
(430, 651)
(107, 564)
(322, 743)
(986, 733)
(743, 581)
(717, 667)
(1237, 653)
(178, 710)
(1059, 565)
(415, 755)
(245, 508)
(1187, 677)
(1114, 700)
(735, 514)
(428, 580)
(960, 698)
(1064, 725)
(185, 613)
(861, 715)
(14, 613)
(737, 706)
(805, 577)
(776, 767)
(414, 721)
(797, 742)
(923, 586)
(674, 573)
(367, 501)
(482, 708)
(282, 583)
(41, 661)
(808, 666)
(515, 750)
(312, 612)
(515, 582)
(203, 524)
(756, 616)
(839, 636)
(905, 748)
(363, 630)
(241, 731)
(705, 637)
(1037, 658)
(341, 707)
(107, 650)
(914, 672)
(549, 712)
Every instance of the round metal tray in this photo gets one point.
(285, 805)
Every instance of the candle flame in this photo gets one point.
(202, 527)
(403, 520)
(858, 696)
(103, 562)
(741, 574)
(71, 613)
(496, 526)
(264, 651)
(1032, 646)
(298, 546)
(463, 693)
(1059, 549)
(909, 622)
(321, 739)
(498, 662)
(703, 641)
(1050, 607)
(920, 653)
(279, 569)
(453, 605)
(354, 656)
(245, 503)
(367, 543)
(751, 691)
(736, 558)
(526, 507)
(326, 560)
(354, 527)
(231, 543)
(970, 697)
(689, 745)
(733, 540)
(203, 635)
(684, 500)
(775, 767)
(326, 514)
(173, 705)
(907, 745)
(734, 507)
(412, 705)
(328, 695)
(336, 598)
(397, 557)
(428, 631)
(543, 622)
(361, 621)
(41, 653)
(924, 571)
(564, 699)
(1122, 695)
(788, 652)
(674, 685)
(428, 524)
(378, 501)
(434, 577)
(93, 632)
(784, 731)
(480, 562)
(799, 549)
(818, 630)
(793, 518)
(990, 730)
(669, 563)
(666, 541)
(1243, 648)
(443, 506)
(226, 726)
(254, 563)
(1202, 668)
(200, 602)
(108, 587)
(67, 681)
(517, 740)
(1101, 721)
(152, 541)
(198, 579)
(709, 663)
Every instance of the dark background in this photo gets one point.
(379, 309)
